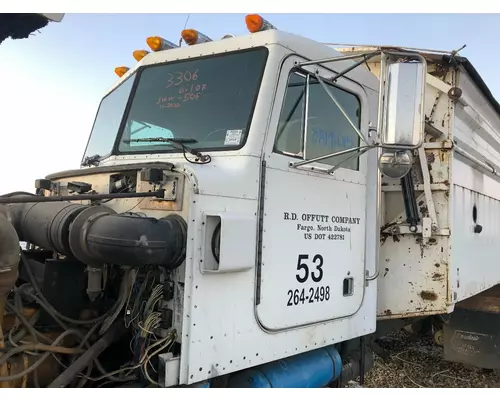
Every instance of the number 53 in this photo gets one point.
(317, 275)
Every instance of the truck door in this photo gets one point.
(312, 255)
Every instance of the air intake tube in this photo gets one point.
(96, 235)
(99, 235)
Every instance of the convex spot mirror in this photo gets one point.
(401, 116)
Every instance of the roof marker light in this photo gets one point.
(192, 36)
(140, 54)
(157, 43)
(255, 23)
(120, 71)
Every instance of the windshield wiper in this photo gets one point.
(179, 144)
(91, 161)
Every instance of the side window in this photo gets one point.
(328, 131)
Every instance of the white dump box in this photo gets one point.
(455, 253)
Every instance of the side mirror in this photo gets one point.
(401, 104)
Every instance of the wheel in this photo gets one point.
(439, 337)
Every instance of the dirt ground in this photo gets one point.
(418, 362)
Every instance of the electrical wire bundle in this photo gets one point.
(143, 315)
(140, 303)
(25, 339)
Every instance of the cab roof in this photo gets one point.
(305, 47)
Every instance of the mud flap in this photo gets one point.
(472, 337)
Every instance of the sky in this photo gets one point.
(51, 84)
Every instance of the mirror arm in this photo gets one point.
(305, 116)
(366, 58)
(323, 84)
(338, 153)
(361, 152)
(338, 58)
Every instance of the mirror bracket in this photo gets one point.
(396, 78)
(361, 149)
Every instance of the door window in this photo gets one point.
(328, 130)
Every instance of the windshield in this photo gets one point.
(108, 119)
(209, 100)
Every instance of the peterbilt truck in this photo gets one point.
(250, 212)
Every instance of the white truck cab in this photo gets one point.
(261, 158)
(299, 229)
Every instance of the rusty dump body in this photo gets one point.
(439, 254)
(453, 254)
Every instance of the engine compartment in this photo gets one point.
(93, 296)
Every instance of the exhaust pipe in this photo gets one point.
(9, 254)
(9, 261)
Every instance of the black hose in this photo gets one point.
(48, 309)
(114, 333)
(33, 332)
(77, 197)
(40, 361)
(26, 263)
(22, 332)
(17, 194)
(51, 311)
(84, 338)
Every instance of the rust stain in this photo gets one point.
(428, 295)
(431, 157)
(154, 204)
(388, 312)
(437, 277)
(437, 265)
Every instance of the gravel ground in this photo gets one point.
(418, 362)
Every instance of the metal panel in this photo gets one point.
(311, 244)
(414, 269)
(221, 333)
(474, 254)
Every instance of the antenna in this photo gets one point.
(185, 24)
